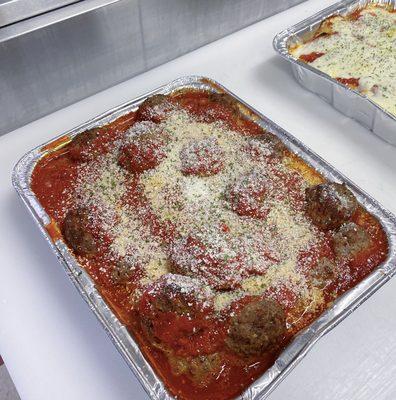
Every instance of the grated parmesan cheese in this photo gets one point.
(256, 253)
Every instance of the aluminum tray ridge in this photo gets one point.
(348, 101)
(121, 338)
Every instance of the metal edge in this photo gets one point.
(378, 277)
(18, 10)
(51, 17)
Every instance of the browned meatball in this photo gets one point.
(329, 205)
(125, 270)
(214, 260)
(173, 293)
(202, 157)
(188, 256)
(200, 369)
(265, 147)
(154, 108)
(164, 296)
(247, 195)
(350, 240)
(172, 297)
(203, 366)
(176, 313)
(256, 328)
(76, 232)
(142, 153)
(79, 148)
(323, 273)
(225, 100)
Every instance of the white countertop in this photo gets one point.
(53, 345)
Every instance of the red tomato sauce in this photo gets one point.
(351, 82)
(311, 57)
(355, 15)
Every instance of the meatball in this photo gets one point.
(205, 366)
(247, 194)
(213, 261)
(180, 294)
(201, 369)
(142, 152)
(202, 157)
(211, 107)
(350, 240)
(222, 106)
(176, 313)
(125, 270)
(256, 328)
(79, 148)
(154, 108)
(77, 234)
(323, 273)
(172, 293)
(188, 256)
(329, 205)
(265, 148)
(226, 101)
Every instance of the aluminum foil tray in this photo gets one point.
(348, 101)
(121, 338)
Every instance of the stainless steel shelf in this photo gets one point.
(12, 11)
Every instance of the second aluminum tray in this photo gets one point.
(348, 101)
(121, 338)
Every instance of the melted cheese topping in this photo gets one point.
(362, 48)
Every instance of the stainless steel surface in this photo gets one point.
(16, 10)
(46, 20)
(302, 343)
(348, 101)
(174, 27)
(62, 56)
